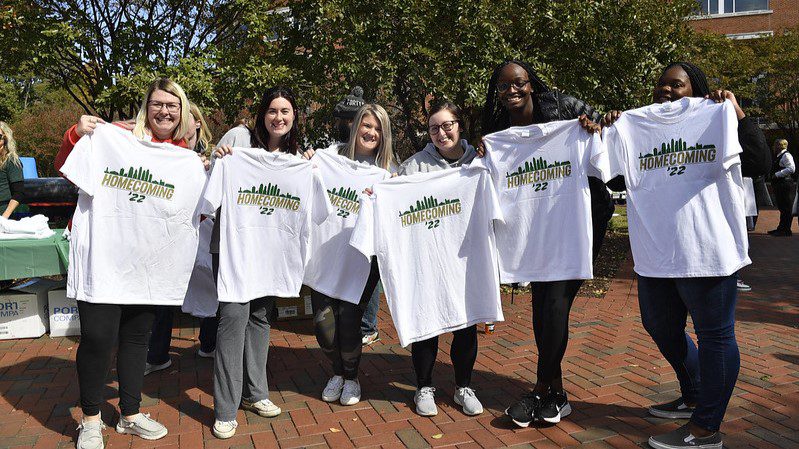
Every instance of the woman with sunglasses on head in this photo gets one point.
(518, 97)
(665, 303)
(445, 150)
(163, 117)
(242, 342)
(10, 172)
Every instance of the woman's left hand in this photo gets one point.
(719, 96)
(588, 124)
(206, 162)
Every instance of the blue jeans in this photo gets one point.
(161, 336)
(665, 305)
(369, 320)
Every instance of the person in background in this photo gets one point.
(11, 187)
(198, 139)
(784, 187)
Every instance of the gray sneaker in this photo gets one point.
(681, 438)
(264, 408)
(143, 426)
(676, 409)
(425, 400)
(91, 435)
(465, 398)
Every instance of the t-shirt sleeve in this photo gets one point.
(321, 208)
(212, 196)
(489, 193)
(599, 158)
(732, 145)
(14, 172)
(363, 235)
(79, 167)
(614, 148)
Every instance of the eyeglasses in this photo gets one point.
(446, 126)
(157, 106)
(504, 86)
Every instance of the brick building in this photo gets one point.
(746, 19)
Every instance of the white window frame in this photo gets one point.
(722, 12)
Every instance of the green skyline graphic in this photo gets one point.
(535, 165)
(428, 202)
(139, 174)
(674, 146)
(347, 194)
(268, 189)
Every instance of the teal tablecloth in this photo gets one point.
(34, 257)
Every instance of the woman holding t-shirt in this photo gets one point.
(517, 97)
(163, 117)
(242, 341)
(337, 323)
(666, 302)
(445, 150)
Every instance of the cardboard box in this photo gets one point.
(23, 309)
(64, 316)
(295, 308)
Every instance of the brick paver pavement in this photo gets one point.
(612, 370)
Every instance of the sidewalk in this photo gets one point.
(612, 368)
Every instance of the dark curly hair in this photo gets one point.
(495, 116)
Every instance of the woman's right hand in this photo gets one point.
(610, 118)
(308, 154)
(481, 148)
(86, 124)
(222, 151)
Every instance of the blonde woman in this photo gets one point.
(337, 323)
(163, 117)
(199, 135)
(10, 172)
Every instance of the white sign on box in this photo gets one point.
(64, 316)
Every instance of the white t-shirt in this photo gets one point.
(201, 295)
(337, 269)
(268, 201)
(685, 199)
(434, 240)
(134, 232)
(540, 174)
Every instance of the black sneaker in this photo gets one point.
(523, 412)
(554, 407)
(676, 409)
(681, 438)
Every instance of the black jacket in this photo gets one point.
(755, 158)
(552, 106)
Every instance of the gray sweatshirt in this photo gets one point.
(429, 159)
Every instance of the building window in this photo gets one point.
(731, 6)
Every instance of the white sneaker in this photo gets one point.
(143, 426)
(224, 429)
(91, 434)
(368, 339)
(206, 355)
(332, 391)
(264, 407)
(351, 393)
(425, 401)
(466, 398)
(148, 368)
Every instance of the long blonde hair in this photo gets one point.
(204, 136)
(9, 152)
(142, 128)
(385, 153)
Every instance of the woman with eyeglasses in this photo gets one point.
(518, 97)
(163, 117)
(10, 172)
(445, 150)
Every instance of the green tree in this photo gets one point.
(779, 87)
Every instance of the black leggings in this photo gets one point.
(337, 325)
(784, 192)
(552, 302)
(104, 327)
(463, 353)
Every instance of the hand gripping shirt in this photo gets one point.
(434, 240)
(335, 268)
(268, 201)
(134, 232)
(540, 174)
(685, 199)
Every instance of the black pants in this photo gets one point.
(463, 353)
(784, 192)
(161, 336)
(552, 302)
(337, 325)
(104, 327)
